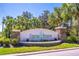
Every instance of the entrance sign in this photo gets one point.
(36, 35)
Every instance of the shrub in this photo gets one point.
(71, 39)
(1, 40)
(77, 39)
(6, 41)
(15, 42)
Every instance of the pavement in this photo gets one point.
(60, 52)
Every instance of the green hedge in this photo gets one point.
(71, 39)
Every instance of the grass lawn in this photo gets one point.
(32, 49)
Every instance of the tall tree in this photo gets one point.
(44, 18)
(75, 13)
(55, 18)
(20, 23)
(27, 14)
(23, 21)
(36, 23)
(67, 17)
(9, 22)
(3, 24)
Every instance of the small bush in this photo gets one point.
(6, 41)
(1, 40)
(15, 42)
(71, 39)
(77, 39)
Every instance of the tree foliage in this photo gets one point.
(62, 16)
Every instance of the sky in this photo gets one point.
(16, 9)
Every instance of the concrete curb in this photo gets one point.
(41, 52)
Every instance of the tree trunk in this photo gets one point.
(2, 27)
(78, 26)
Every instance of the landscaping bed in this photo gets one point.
(25, 49)
(48, 43)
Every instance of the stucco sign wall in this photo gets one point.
(38, 35)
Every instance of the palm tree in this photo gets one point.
(57, 14)
(55, 18)
(52, 21)
(9, 22)
(3, 23)
(44, 18)
(27, 15)
(67, 16)
(19, 22)
(36, 23)
(73, 11)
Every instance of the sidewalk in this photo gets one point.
(41, 52)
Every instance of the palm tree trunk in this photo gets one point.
(2, 27)
(78, 26)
